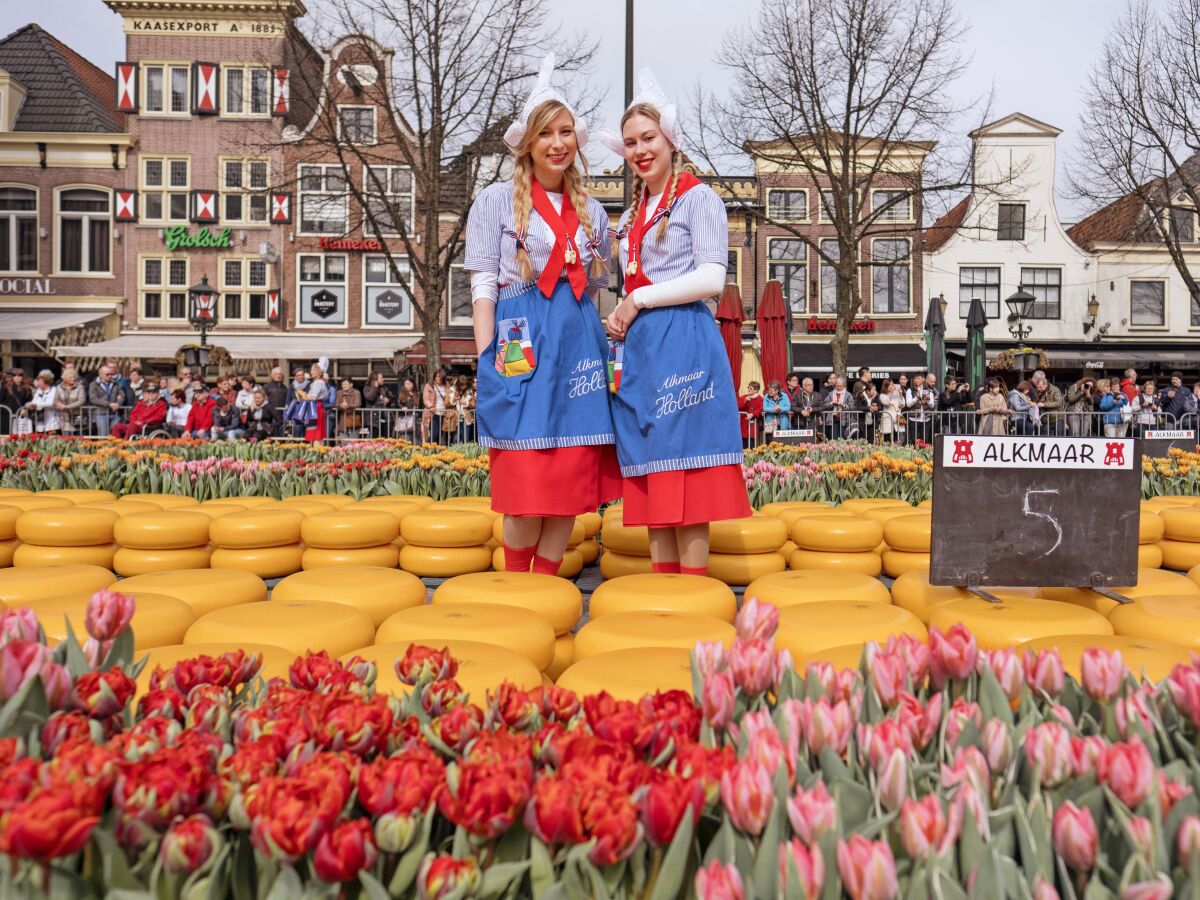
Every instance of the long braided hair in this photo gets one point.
(639, 184)
(541, 117)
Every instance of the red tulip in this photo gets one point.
(515, 708)
(421, 665)
(1075, 837)
(867, 868)
(953, 655)
(923, 827)
(404, 784)
(188, 845)
(719, 881)
(667, 800)
(439, 697)
(108, 614)
(61, 728)
(615, 720)
(611, 820)
(444, 877)
(757, 620)
(102, 694)
(320, 672)
(488, 800)
(808, 864)
(164, 702)
(1128, 771)
(254, 760)
(344, 851)
(51, 822)
(1103, 672)
(558, 704)
(1044, 671)
(747, 795)
(458, 727)
(229, 670)
(292, 826)
(554, 814)
(353, 724)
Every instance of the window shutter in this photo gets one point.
(205, 78)
(282, 92)
(127, 87)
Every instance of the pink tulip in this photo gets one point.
(20, 660)
(747, 794)
(997, 745)
(970, 767)
(1085, 752)
(1059, 713)
(1135, 708)
(764, 744)
(877, 742)
(1184, 685)
(1103, 672)
(1075, 837)
(718, 699)
(887, 673)
(1169, 793)
(1006, 666)
(719, 881)
(1128, 771)
(893, 780)
(783, 665)
(56, 681)
(970, 799)
(953, 655)
(827, 725)
(922, 721)
(1044, 672)
(1187, 841)
(824, 674)
(709, 658)
(1044, 890)
(915, 654)
(1141, 831)
(1160, 888)
(757, 620)
(753, 665)
(1048, 752)
(867, 868)
(18, 625)
(108, 614)
(809, 866)
(961, 713)
(923, 827)
(812, 813)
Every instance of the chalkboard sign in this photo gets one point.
(1035, 511)
(795, 436)
(1160, 441)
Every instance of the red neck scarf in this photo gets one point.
(635, 272)
(564, 255)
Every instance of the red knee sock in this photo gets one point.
(665, 568)
(693, 570)
(546, 566)
(517, 559)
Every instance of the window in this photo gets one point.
(322, 200)
(243, 190)
(385, 300)
(827, 205)
(787, 206)
(84, 230)
(388, 193)
(829, 278)
(1195, 313)
(1046, 285)
(322, 289)
(243, 290)
(733, 267)
(165, 90)
(247, 91)
(982, 282)
(1147, 303)
(165, 183)
(889, 283)
(787, 265)
(18, 230)
(892, 206)
(356, 124)
(1011, 222)
(1183, 225)
(460, 294)
(163, 287)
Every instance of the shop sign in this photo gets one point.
(26, 286)
(1094, 364)
(177, 237)
(186, 27)
(324, 303)
(352, 244)
(389, 304)
(828, 326)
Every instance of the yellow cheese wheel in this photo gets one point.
(619, 538)
(705, 596)
(265, 562)
(296, 625)
(24, 584)
(385, 555)
(482, 668)
(349, 529)
(337, 501)
(564, 656)
(127, 561)
(444, 562)
(37, 555)
(1150, 556)
(884, 514)
(35, 501)
(589, 551)
(791, 516)
(168, 530)
(591, 524)
(273, 527)
(868, 563)
(775, 508)
(845, 656)
(858, 505)
(627, 630)
(71, 526)
(913, 592)
(630, 674)
(8, 549)
(275, 660)
(912, 534)
(202, 589)
(577, 536)
(1160, 503)
(569, 566)
(791, 588)
(244, 501)
(808, 627)
(612, 511)
(373, 590)
(81, 495)
(305, 507)
(1015, 621)
(157, 619)
(14, 492)
(8, 521)
(1146, 658)
(446, 528)
(925, 504)
(841, 535)
(1179, 555)
(514, 627)
(1164, 617)
(557, 601)
(897, 562)
(219, 512)
(481, 505)
(398, 508)
(616, 565)
(1150, 581)
(743, 568)
(757, 534)
(420, 499)
(169, 501)
(1180, 524)
(122, 508)
(1150, 527)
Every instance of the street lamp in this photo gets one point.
(1020, 305)
(202, 313)
(1093, 311)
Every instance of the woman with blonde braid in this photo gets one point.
(536, 248)
(675, 411)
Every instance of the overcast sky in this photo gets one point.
(1035, 53)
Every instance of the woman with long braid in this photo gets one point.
(675, 411)
(536, 249)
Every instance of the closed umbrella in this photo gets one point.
(976, 349)
(729, 319)
(772, 333)
(935, 340)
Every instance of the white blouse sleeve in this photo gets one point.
(706, 280)
(484, 286)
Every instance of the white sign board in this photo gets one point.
(1016, 452)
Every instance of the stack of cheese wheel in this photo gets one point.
(375, 591)
(908, 538)
(807, 628)
(514, 627)
(442, 543)
(69, 535)
(482, 667)
(264, 541)
(626, 549)
(843, 543)
(1174, 618)
(158, 620)
(23, 585)
(664, 593)
(350, 537)
(789, 512)
(1150, 532)
(121, 507)
(1180, 545)
(398, 509)
(1149, 583)
(1158, 504)
(741, 550)
(420, 499)
(301, 626)
(589, 548)
(816, 586)
(572, 561)
(630, 674)
(202, 589)
(650, 628)
(474, 504)
(557, 601)
(161, 542)
(8, 533)
(80, 495)
(337, 501)
(913, 592)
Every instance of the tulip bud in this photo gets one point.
(1075, 837)
(1141, 831)
(868, 868)
(188, 845)
(753, 665)
(1044, 672)
(108, 614)
(718, 699)
(1103, 672)
(997, 745)
(344, 851)
(447, 878)
(812, 813)
(394, 833)
(757, 620)
(923, 827)
(20, 660)
(19, 625)
(1044, 890)
(1187, 841)
(56, 681)
(888, 673)
(1128, 771)
(1008, 671)
(893, 780)
(953, 655)
(809, 865)
(709, 657)
(747, 795)
(719, 881)
(1048, 752)
(1160, 888)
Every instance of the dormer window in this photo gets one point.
(1011, 222)
(1183, 224)
(356, 124)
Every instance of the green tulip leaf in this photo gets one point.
(675, 864)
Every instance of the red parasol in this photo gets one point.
(729, 318)
(772, 333)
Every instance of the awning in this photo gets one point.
(1108, 357)
(36, 324)
(454, 350)
(265, 346)
(900, 357)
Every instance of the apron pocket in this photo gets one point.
(515, 355)
(616, 362)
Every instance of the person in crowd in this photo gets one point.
(227, 387)
(227, 421)
(1174, 399)
(838, 409)
(1192, 417)
(299, 383)
(920, 402)
(349, 401)
(133, 383)
(69, 399)
(40, 408)
(316, 401)
(1020, 401)
(178, 408)
(105, 395)
(200, 414)
(860, 383)
(1145, 408)
(931, 385)
(1129, 385)
(262, 419)
(146, 415)
(993, 412)
(867, 404)
(830, 384)
(891, 409)
(1080, 402)
(435, 406)
(776, 410)
(903, 382)
(186, 383)
(750, 411)
(1115, 407)
(376, 397)
(792, 388)
(276, 391)
(950, 404)
(1048, 400)
(463, 402)
(806, 406)
(408, 401)
(244, 400)
(453, 416)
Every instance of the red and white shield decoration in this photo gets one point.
(206, 307)
(204, 78)
(127, 79)
(281, 209)
(204, 206)
(126, 208)
(272, 306)
(282, 93)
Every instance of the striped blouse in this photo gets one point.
(697, 233)
(492, 240)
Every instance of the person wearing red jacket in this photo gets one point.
(750, 408)
(1129, 385)
(146, 415)
(200, 416)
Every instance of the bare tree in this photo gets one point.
(849, 93)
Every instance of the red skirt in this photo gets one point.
(561, 481)
(316, 431)
(686, 497)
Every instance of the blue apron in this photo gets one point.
(676, 407)
(543, 380)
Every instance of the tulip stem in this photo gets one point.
(655, 866)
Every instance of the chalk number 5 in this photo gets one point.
(1027, 508)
